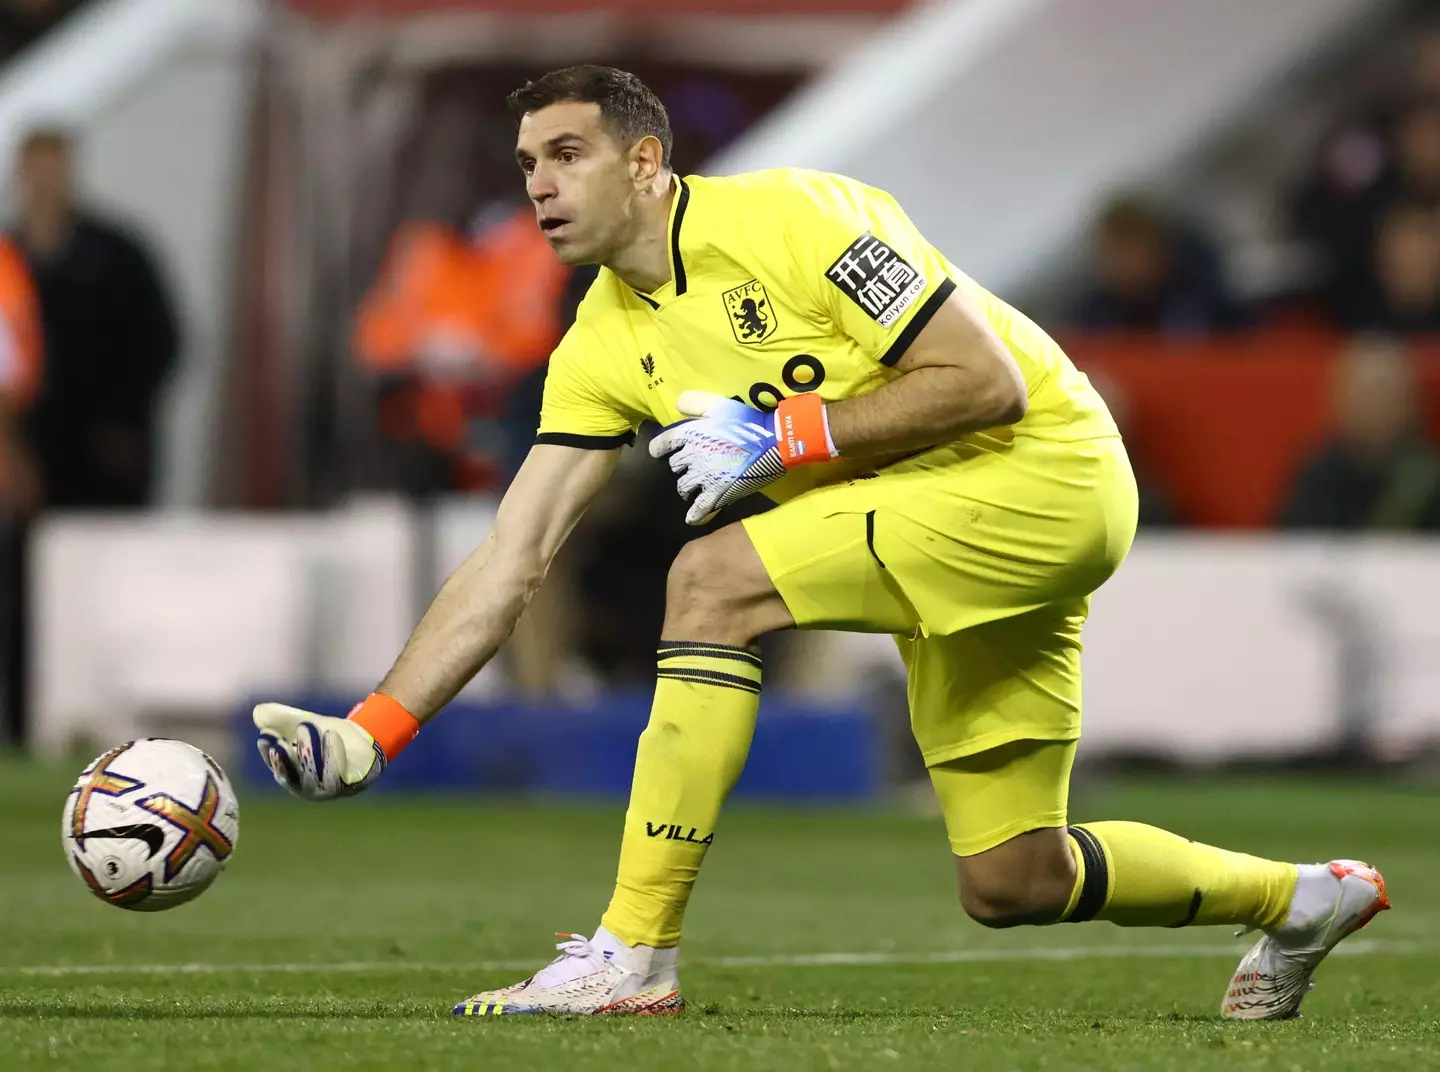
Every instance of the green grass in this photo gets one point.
(396, 910)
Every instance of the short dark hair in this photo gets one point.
(627, 106)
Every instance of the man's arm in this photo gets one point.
(478, 606)
(318, 757)
(958, 377)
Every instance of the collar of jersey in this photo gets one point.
(677, 264)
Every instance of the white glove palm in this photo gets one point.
(316, 757)
(724, 452)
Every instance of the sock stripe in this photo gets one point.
(1097, 876)
(674, 649)
(1194, 911)
(709, 677)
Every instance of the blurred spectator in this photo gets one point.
(465, 309)
(20, 373)
(1376, 471)
(1150, 274)
(1344, 210)
(451, 325)
(1401, 293)
(110, 337)
(1384, 151)
(1415, 148)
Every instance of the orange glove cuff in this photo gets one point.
(386, 719)
(803, 431)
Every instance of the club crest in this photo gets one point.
(752, 317)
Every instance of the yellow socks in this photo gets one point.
(1139, 876)
(691, 753)
(701, 723)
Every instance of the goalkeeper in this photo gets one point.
(944, 475)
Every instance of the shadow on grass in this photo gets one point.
(216, 1010)
(710, 1015)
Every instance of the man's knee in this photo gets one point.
(718, 590)
(1028, 879)
(696, 587)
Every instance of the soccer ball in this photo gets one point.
(150, 824)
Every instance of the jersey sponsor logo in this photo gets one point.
(877, 279)
(752, 317)
(647, 366)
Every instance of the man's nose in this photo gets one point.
(542, 187)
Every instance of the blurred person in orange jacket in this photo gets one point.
(20, 372)
(20, 484)
(466, 305)
(451, 324)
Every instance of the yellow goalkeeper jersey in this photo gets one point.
(783, 281)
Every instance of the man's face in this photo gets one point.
(580, 180)
(1376, 398)
(1133, 263)
(1407, 258)
(45, 174)
(1417, 147)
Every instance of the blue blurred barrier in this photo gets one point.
(801, 751)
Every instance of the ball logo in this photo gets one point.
(131, 895)
(197, 825)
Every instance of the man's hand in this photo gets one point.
(316, 757)
(728, 450)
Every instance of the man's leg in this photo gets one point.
(1126, 873)
(809, 562)
(1139, 876)
(1020, 861)
(996, 711)
(707, 692)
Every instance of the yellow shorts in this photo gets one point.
(993, 796)
(980, 557)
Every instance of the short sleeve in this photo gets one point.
(575, 411)
(874, 274)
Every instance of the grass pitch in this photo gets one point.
(341, 935)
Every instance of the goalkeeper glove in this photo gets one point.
(318, 757)
(729, 449)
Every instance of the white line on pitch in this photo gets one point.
(1039, 953)
(800, 960)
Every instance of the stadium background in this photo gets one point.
(1228, 212)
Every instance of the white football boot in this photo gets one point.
(1331, 902)
(591, 976)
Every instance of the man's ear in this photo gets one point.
(647, 160)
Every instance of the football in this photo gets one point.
(150, 824)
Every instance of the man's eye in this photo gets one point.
(568, 156)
